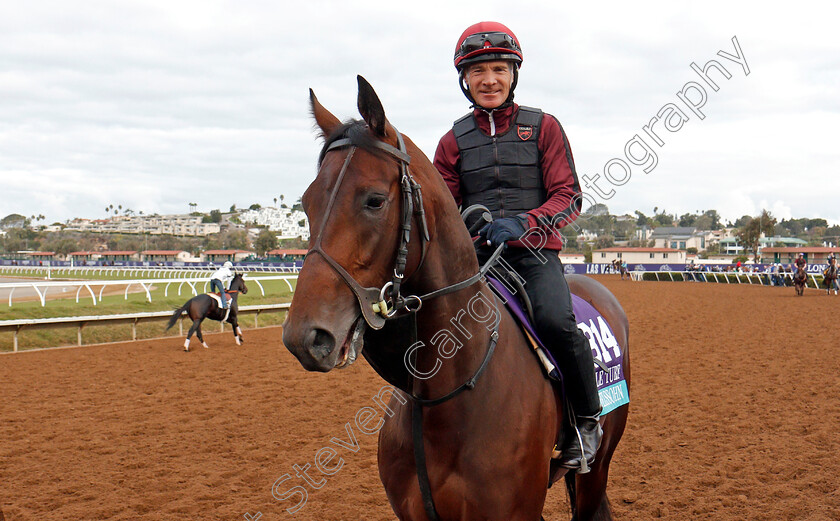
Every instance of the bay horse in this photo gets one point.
(469, 434)
(800, 280)
(205, 306)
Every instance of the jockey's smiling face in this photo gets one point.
(489, 82)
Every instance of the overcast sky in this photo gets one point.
(156, 104)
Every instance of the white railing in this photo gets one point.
(42, 287)
(135, 271)
(133, 319)
(729, 277)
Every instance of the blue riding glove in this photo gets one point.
(505, 229)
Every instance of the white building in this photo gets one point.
(639, 255)
(681, 238)
(178, 224)
(288, 223)
(572, 258)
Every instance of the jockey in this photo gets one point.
(801, 262)
(517, 162)
(221, 279)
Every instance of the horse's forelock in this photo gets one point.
(357, 132)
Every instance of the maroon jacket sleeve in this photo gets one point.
(563, 201)
(446, 162)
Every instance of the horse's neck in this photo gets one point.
(451, 327)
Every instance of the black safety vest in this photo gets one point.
(501, 172)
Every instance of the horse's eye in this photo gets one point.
(375, 202)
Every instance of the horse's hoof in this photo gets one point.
(205, 345)
(238, 342)
(186, 349)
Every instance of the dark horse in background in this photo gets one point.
(487, 451)
(800, 280)
(830, 278)
(205, 306)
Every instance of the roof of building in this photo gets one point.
(639, 250)
(78, 253)
(673, 230)
(41, 253)
(803, 249)
(287, 252)
(766, 240)
(225, 252)
(162, 252)
(116, 252)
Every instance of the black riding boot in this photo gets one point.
(578, 370)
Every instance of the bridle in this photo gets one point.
(379, 304)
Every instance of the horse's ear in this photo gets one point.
(371, 108)
(323, 117)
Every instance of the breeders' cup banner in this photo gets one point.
(141, 264)
(602, 269)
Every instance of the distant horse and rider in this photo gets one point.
(473, 428)
(830, 276)
(800, 280)
(209, 305)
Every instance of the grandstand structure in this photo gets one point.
(812, 254)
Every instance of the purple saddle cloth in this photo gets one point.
(612, 387)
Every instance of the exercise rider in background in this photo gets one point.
(800, 262)
(221, 280)
(517, 162)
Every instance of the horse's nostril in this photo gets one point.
(322, 343)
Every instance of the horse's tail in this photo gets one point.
(176, 315)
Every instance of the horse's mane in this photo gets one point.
(357, 132)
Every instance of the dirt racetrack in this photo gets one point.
(734, 416)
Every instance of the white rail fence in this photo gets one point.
(134, 271)
(41, 288)
(133, 319)
(733, 277)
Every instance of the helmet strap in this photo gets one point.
(464, 88)
(513, 83)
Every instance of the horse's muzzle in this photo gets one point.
(313, 348)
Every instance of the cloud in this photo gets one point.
(156, 104)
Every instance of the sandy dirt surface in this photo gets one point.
(734, 416)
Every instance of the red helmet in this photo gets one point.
(487, 41)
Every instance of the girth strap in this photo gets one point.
(420, 461)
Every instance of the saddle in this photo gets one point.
(218, 296)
